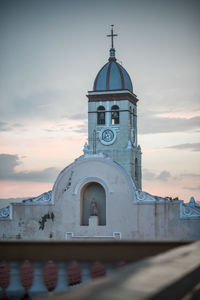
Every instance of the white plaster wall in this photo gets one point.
(119, 196)
(134, 220)
(25, 223)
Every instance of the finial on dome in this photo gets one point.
(112, 49)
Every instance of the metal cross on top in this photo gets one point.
(112, 36)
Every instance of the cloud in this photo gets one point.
(82, 128)
(79, 116)
(8, 162)
(191, 146)
(194, 175)
(4, 126)
(78, 127)
(153, 124)
(41, 104)
(192, 188)
(150, 176)
(46, 175)
(163, 176)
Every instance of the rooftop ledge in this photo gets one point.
(111, 92)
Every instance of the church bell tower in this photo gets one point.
(112, 117)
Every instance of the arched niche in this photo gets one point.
(91, 193)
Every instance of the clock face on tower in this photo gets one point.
(107, 136)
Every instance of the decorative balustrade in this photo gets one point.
(34, 268)
(33, 278)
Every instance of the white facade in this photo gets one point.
(122, 211)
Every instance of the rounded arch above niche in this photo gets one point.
(80, 184)
(92, 168)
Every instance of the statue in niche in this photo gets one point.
(93, 207)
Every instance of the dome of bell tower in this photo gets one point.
(112, 75)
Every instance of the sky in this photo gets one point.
(50, 54)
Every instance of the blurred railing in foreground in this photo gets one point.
(38, 267)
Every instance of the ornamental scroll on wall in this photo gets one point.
(190, 210)
(44, 199)
(5, 213)
(142, 197)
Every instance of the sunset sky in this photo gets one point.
(50, 53)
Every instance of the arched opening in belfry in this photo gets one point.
(101, 115)
(115, 114)
(93, 203)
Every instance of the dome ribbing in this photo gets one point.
(112, 76)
